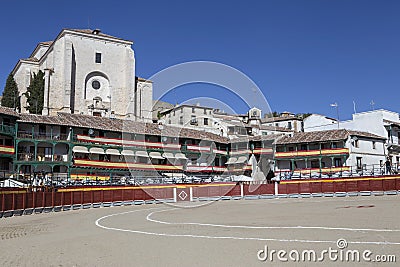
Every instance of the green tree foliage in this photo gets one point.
(11, 95)
(35, 93)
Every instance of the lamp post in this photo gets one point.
(337, 112)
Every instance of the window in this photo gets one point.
(193, 120)
(303, 147)
(359, 163)
(96, 84)
(193, 110)
(291, 148)
(373, 145)
(205, 121)
(398, 138)
(181, 110)
(98, 57)
(174, 112)
(289, 125)
(205, 111)
(338, 162)
(334, 145)
(356, 143)
(276, 124)
(314, 164)
(181, 120)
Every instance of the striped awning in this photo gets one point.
(128, 152)
(231, 160)
(96, 150)
(156, 155)
(142, 154)
(180, 156)
(113, 151)
(80, 149)
(168, 155)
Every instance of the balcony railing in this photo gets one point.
(41, 136)
(338, 172)
(310, 153)
(7, 129)
(125, 165)
(42, 157)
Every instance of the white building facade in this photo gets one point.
(87, 72)
(380, 122)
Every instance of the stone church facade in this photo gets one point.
(87, 72)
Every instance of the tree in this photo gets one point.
(11, 95)
(35, 93)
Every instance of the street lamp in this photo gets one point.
(337, 112)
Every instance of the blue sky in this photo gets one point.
(303, 54)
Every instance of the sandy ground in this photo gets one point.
(223, 233)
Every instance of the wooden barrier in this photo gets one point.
(22, 200)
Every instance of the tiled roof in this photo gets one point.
(118, 125)
(8, 111)
(271, 137)
(275, 119)
(89, 31)
(323, 136)
(275, 128)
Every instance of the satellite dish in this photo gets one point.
(91, 131)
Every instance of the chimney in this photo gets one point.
(96, 31)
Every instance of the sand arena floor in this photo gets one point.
(222, 233)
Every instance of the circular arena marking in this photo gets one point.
(154, 210)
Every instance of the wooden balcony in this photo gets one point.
(123, 142)
(125, 165)
(311, 153)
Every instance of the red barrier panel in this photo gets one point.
(214, 191)
(339, 187)
(87, 197)
(327, 187)
(38, 199)
(282, 188)
(8, 201)
(305, 188)
(139, 194)
(117, 195)
(397, 184)
(57, 199)
(363, 185)
(48, 199)
(389, 185)
(107, 195)
(19, 201)
(267, 189)
(97, 196)
(376, 185)
(292, 188)
(67, 198)
(200, 191)
(351, 186)
(316, 187)
(77, 197)
(234, 191)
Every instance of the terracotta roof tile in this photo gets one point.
(323, 136)
(118, 125)
(8, 111)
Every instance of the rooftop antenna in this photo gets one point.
(354, 107)
(372, 103)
